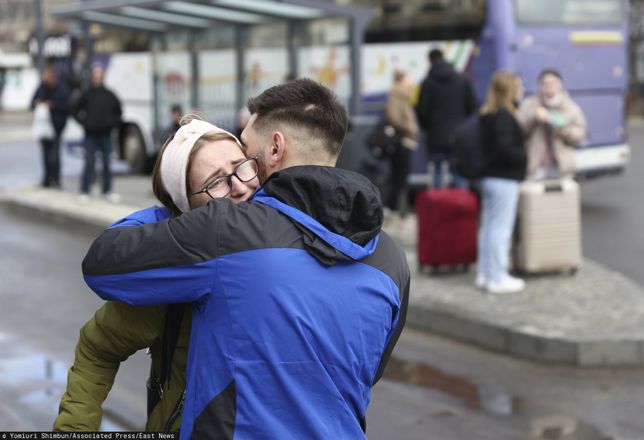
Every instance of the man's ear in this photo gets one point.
(277, 148)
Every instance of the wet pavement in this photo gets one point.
(31, 384)
(433, 388)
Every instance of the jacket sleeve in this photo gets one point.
(144, 216)
(159, 263)
(471, 103)
(527, 116)
(399, 324)
(118, 111)
(421, 110)
(115, 332)
(37, 95)
(574, 132)
(78, 109)
(504, 145)
(396, 115)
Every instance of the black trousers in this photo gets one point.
(51, 162)
(97, 142)
(400, 167)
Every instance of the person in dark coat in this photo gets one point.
(505, 167)
(57, 97)
(176, 113)
(446, 99)
(98, 110)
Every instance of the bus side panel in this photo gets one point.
(604, 116)
(589, 59)
(593, 65)
(482, 67)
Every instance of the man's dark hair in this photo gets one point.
(176, 108)
(550, 71)
(303, 103)
(436, 56)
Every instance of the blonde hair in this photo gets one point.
(501, 93)
(157, 185)
(399, 75)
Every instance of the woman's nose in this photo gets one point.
(238, 189)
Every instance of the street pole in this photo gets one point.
(40, 37)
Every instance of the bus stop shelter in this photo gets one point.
(159, 17)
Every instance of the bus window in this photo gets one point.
(423, 20)
(569, 11)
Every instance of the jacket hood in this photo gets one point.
(338, 211)
(442, 71)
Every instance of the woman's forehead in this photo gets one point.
(224, 150)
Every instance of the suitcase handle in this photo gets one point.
(553, 187)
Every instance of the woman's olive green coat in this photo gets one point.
(116, 332)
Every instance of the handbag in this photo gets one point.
(42, 128)
(384, 140)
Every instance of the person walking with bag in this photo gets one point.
(505, 168)
(51, 110)
(399, 113)
(98, 110)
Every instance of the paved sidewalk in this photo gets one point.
(593, 318)
(15, 126)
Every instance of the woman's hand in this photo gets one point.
(543, 115)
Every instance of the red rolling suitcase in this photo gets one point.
(447, 227)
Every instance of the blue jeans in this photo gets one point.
(93, 143)
(499, 211)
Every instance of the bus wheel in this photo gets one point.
(134, 149)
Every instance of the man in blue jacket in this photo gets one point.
(298, 296)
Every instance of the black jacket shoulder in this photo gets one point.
(503, 146)
(98, 110)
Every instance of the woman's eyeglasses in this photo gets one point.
(223, 185)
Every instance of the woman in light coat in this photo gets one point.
(400, 114)
(553, 125)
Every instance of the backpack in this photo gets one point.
(467, 149)
(383, 140)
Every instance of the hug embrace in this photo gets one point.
(292, 297)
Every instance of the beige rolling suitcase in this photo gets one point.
(548, 233)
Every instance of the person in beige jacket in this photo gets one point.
(553, 125)
(400, 114)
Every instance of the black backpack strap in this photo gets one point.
(171, 329)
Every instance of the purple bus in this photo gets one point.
(586, 40)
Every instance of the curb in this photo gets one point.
(63, 208)
(522, 345)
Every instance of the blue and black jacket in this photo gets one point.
(298, 300)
